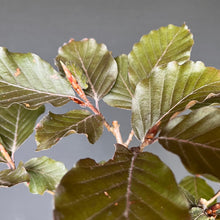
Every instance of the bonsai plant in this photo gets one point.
(172, 100)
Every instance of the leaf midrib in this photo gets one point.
(34, 90)
(69, 128)
(165, 50)
(188, 142)
(183, 98)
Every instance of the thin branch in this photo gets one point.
(10, 162)
(206, 203)
(116, 132)
(50, 192)
(129, 138)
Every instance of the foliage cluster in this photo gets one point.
(172, 100)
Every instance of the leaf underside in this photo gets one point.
(16, 125)
(56, 126)
(10, 177)
(197, 187)
(169, 90)
(128, 187)
(158, 48)
(95, 61)
(45, 174)
(195, 139)
(29, 80)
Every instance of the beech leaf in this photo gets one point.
(169, 90)
(29, 80)
(12, 177)
(95, 61)
(121, 94)
(132, 185)
(16, 125)
(197, 187)
(195, 138)
(45, 174)
(53, 127)
(158, 48)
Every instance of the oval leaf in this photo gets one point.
(197, 187)
(121, 94)
(29, 80)
(12, 177)
(169, 90)
(158, 48)
(16, 125)
(133, 185)
(195, 138)
(56, 126)
(45, 174)
(95, 61)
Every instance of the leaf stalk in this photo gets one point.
(10, 162)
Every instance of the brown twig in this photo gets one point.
(116, 132)
(7, 157)
(129, 138)
(150, 136)
(86, 103)
(206, 203)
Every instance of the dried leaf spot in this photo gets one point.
(85, 39)
(107, 195)
(71, 40)
(17, 73)
(27, 105)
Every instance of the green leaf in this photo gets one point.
(45, 174)
(198, 214)
(29, 80)
(132, 185)
(56, 126)
(169, 90)
(16, 125)
(12, 177)
(158, 48)
(78, 74)
(95, 61)
(195, 138)
(121, 94)
(197, 187)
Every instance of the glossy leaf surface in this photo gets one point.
(121, 94)
(12, 177)
(132, 185)
(169, 90)
(45, 174)
(56, 126)
(29, 80)
(158, 48)
(95, 61)
(16, 125)
(195, 138)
